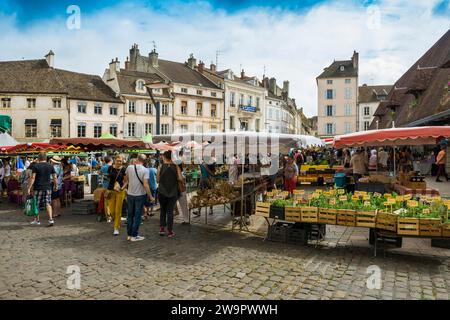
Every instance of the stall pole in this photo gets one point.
(395, 165)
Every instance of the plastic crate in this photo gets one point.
(277, 232)
(297, 235)
(276, 213)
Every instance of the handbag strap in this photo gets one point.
(137, 175)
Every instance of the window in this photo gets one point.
(131, 107)
(213, 94)
(347, 81)
(113, 110)
(31, 103)
(199, 92)
(347, 109)
(348, 127)
(158, 91)
(257, 102)
(6, 102)
(131, 129)
(97, 130)
(184, 90)
(213, 111)
(199, 109)
(367, 111)
(165, 109)
(165, 129)
(149, 128)
(329, 94)
(366, 125)
(184, 128)
(277, 113)
(330, 128)
(250, 100)
(148, 108)
(329, 111)
(97, 108)
(30, 128)
(348, 93)
(232, 99)
(329, 81)
(140, 85)
(113, 129)
(81, 130)
(55, 128)
(241, 100)
(184, 107)
(232, 122)
(57, 103)
(342, 68)
(81, 107)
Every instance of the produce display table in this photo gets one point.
(402, 190)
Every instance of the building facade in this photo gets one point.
(197, 102)
(44, 102)
(369, 98)
(337, 89)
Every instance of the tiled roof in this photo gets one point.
(127, 81)
(334, 70)
(422, 90)
(369, 94)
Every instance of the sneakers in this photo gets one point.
(171, 234)
(116, 232)
(35, 222)
(109, 220)
(51, 223)
(162, 231)
(128, 238)
(138, 238)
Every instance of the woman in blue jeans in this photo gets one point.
(168, 176)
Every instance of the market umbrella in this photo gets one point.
(7, 141)
(107, 135)
(148, 138)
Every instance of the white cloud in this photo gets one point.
(294, 47)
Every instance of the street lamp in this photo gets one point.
(151, 86)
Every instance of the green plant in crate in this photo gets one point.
(281, 203)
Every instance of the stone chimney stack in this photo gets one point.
(286, 88)
(134, 54)
(355, 60)
(153, 58)
(192, 62)
(201, 67)
(127, 64)
(242, 74)
(50, 57)
(114, 67)
(273, 85)
(212, 67)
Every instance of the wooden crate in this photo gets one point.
(430, 227)
(293, 214)
(310, 214)
(386, 221)
(327, 216)
(446, 230)
(262, 209)
(408, 226)
(366, 219)
(346, 217)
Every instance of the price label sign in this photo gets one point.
(377, 195)
(366, 198)
(366, 203)
(333, 201)
(426, 211)
(341, 191)
(391, 201)
(412, 203)
(399, 199)
(342, 198)
(407, 196)
(436, 198)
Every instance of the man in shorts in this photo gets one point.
(43, 174)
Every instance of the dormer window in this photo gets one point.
(140, 86)
(342, 68)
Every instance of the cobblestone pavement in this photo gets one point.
(202, 262)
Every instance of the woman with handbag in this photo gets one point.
(170, 184)
(116, 192)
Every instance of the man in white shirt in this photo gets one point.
(383, 158)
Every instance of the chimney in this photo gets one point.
(212, 67)
(50, 57)
(286, 88)
(201, 66)
(273, 85)
(114, 67)
(242, 74)
(127, 64)
(192, 62)
(153, 58)
(355, 60)
(134, 54)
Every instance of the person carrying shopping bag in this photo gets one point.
(116, 193)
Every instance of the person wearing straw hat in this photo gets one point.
(55, 161)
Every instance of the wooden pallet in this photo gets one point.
(293, 214)
(366, 219)
(386, 221)
(262, 209)
(430, 227)
(446, 230)
(310, 214)
(327, 216)
(346, 217)
(408, 226)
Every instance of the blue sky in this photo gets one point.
(293, 40)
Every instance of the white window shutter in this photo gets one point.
(334, 128)
(334, 110)
(334, 94)
(125, 130)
